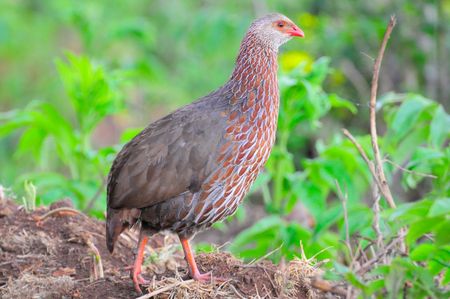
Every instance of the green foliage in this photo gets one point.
(417, 138)
(418, 134)
(91, 94)
(414, 275)
(79, 169)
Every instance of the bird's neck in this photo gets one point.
(256, 63)
(253, 90)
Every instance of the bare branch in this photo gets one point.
(398, 240)
(384, 187)
(326, 286)
(376, 217)
(363, 155)
(64, 211)
(427, 175)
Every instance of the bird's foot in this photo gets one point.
(138, 280)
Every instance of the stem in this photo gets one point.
(384, 187)
(278, 195)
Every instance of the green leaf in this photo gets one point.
(439, 128)
(204, 248)
(423, 252)
(13, 120)
(311, 195)
(319, 70)
(446, 279)
(92, 93)
(422, 226)
(355, 281)
(262, 180)
(410, 212)
(407, 115)
(31, 141)
(375, 285)
(260, 227)
(440, 207)
(340, 268)
(394, 281)
(359, 217)
(441, 235)
(327, 218)
(338, 102)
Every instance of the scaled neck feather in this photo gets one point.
(255, 57)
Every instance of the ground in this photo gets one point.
(59, 253)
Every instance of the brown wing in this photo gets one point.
(169, 157)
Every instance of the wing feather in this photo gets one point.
(167, 158)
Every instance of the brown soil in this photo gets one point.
(55, 258)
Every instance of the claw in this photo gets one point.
(138, 280)
(193, 269)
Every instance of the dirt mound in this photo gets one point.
(61, 253)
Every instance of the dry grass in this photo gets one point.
(291, 280)
(29, 242)
(32, 286)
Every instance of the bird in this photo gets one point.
(193, 167)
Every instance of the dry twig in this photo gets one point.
(427, 175)
(376, 168)
(60, 211)
(360, 263)
(380, 254)
(376, 217)
(383, 185)
(363, 154)
(235, 291)
(166, 288)
(255, 261)
(326, 286)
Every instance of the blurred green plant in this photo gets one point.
(29, 200)
(416, 143)
(425, 271)
(47, 133)
(416, 149)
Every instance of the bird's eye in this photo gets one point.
(280, 24)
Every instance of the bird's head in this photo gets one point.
(275, 29)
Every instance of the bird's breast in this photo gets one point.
(248, 139)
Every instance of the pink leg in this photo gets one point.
(193, 269)
(137, 268)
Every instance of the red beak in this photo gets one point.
(295, 31)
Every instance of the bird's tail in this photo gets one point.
(117, 220)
